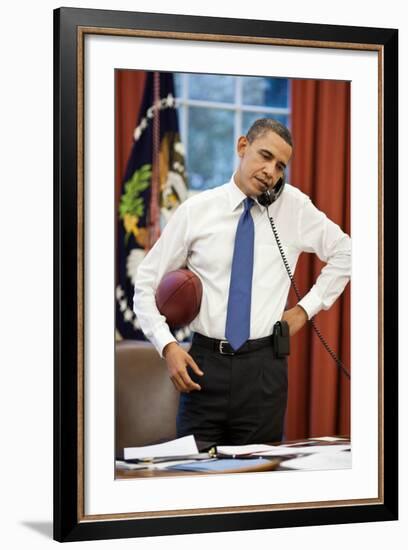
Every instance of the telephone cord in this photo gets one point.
(295, 288)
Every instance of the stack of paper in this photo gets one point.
(177, 447)
(309, 455)
(279, 450)
(324, 461)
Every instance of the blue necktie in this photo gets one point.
(239, 299)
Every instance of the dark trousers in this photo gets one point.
(242, 400)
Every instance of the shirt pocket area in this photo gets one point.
(269, 268)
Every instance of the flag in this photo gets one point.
(153, 186)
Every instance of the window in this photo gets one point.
(214, 111)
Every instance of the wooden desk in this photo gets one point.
(121, 473)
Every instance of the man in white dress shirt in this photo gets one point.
(239, 396)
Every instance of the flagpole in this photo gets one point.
(154, 209)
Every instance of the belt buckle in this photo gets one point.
(222, 352)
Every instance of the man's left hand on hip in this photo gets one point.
(296, 317)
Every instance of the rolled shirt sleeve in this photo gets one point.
(320, 235)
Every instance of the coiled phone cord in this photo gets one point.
(295, 288)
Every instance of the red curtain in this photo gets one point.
(129, 87)
(319, 394)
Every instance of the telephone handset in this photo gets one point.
(266, 199)
(271, 195)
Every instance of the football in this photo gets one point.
(178, 297)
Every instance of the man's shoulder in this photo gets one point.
(294, 195)
(200, 198)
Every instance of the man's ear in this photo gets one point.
(242, 144)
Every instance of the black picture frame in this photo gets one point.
(70, 524)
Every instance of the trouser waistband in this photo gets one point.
(224, 348)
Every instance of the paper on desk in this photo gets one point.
(282, 450)
(182, 446)
(326, 461)
(170, 463)
(150, 465)
(328, 438)
(122, 465)
(238, 450)
(279, 450)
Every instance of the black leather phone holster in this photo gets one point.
(281, 339)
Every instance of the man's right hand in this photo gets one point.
(177, 360)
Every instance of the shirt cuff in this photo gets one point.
(311, 303)
(161, 339)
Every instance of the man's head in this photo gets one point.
(264, 154)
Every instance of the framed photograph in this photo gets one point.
(93, 51)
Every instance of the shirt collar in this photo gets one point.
(236, 196)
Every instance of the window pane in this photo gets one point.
(248, 118)
(181, 114)
(210, 148)
(211, 87)
(178, 84)
(270, 92)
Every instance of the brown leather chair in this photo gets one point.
(146, 401)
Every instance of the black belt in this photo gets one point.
(224, 348)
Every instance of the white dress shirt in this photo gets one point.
(200, 236)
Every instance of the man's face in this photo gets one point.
(262, 162)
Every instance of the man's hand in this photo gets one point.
(296, 317)
(177, 360)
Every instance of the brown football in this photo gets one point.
(178, 297)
